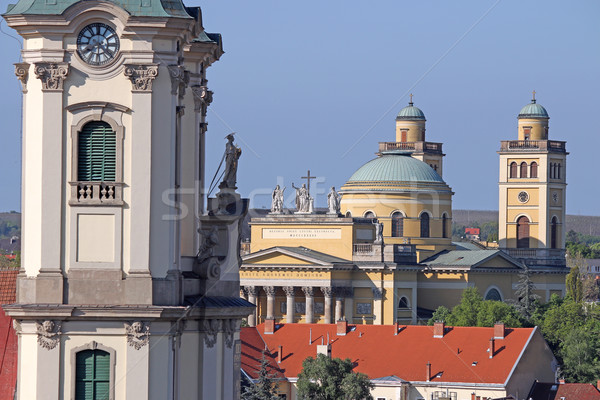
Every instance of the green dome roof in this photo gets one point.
(411, 112)
(395, 167)
(533, 110)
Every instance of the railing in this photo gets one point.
(533, 145)
(538, 256)
(417, 147)
(363, 248)
(96, 193)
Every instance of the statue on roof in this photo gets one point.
(333, 201)
(232, 155)
(277, 200)
(302, 198)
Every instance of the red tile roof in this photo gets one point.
(8, 337)
(8, 286)
(570, 391)
(379, 353)
(253, 348)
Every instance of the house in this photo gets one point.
(472, 233)
(563, 391)
(409, 362)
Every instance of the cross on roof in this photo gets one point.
(533, 96)
(411, 96)
(308, 178)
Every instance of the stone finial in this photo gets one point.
(22, 73)
(48, 334)
(52, 75)
(138, 335)
(141, 76)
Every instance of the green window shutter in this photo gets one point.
(97, 158)
(92, 375)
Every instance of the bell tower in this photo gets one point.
(532, 191)
(129, 286)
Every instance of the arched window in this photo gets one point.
(97, 153)
(403, 302)
(523, 169)
(348, 214)
(493, 294)
(444, 226)
(424, 225)
(397, 224)
(369, 214)
(523, 232)
(92, 375)
(554, 233)
(554, 169)
(558, 174)
(513, 169)
(533, 170)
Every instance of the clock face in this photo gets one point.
(97, 44)
(523, 197)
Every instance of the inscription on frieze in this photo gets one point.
(299, 233)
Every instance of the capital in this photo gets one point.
(141, 76)
(52, 75)
(269, 290)
(22, 73)
(308, 291)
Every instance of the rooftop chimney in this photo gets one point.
(598, 384)
(324, 349)
(561, 381)
(492, 348)
(269, 326)
(473, 396)
(342, 327)
(396, 328)
(280, 354)
(428, 371)
(499, 331)
(438, 329)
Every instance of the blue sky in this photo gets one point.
(317, 84)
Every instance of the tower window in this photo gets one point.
(92, 375)
(397, 224)
(403, 135)
(523, 169)
(558, 174)
(554, 233)
(523, 232)
(424, 225)
(444, 226)
(513, 169)
(533, 170)
(97, 150)
(403, 303)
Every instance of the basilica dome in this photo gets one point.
(397, 167)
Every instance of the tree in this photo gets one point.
(491, 311)
(325, 378)
(579, 352)
(527, 299)
(574, 284)
(440, 314)
(265, 388)
(465, 313)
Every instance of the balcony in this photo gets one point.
(415, 147)
(96, 193)
(538, 257)
(553, 146)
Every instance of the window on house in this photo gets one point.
(533, 170)
(523, 169)
(424, 225)
(369, 214)
(92, 375)
(493, 294)
(97, 153)
(397, 224)
(513, 169)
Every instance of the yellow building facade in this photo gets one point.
(386, 254)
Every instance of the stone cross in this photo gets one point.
(308, 178)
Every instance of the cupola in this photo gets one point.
(533, 121)
(410, 124)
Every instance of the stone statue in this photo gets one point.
(302, 198)
(232, 155)
(333, 201)
(277, 200)
(378, 232)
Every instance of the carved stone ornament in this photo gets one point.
(52, 75)
(308, 291)
(48, 334)
(138, 335)
(22, 73)
(230, 326)
(269, 290)
(141, 76)
(179, 79)
(16, 326)
(202, 98)
(251, 290)
(289, 291)
(211, 329)
(327, 291)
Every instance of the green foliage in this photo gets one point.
(265, 388)
(527, 302)
(579, 352)
(9, 229)
(574, 284)
(474, 311)
(580, 245)
(327, 378)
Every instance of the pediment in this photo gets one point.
(291, 256)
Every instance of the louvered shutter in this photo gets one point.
(97, 158)
(92, 375)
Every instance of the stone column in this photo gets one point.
(289, 302)
(327, 293)
(349, 306)
(339, 304)
(310, 301)
(251, 291)
(270, 291)
(377, 305)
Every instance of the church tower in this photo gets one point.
(129, 287)
(533, 191)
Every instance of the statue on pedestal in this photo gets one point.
(277, 200)
(333, 201)
(302, 198)
(232, 155)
